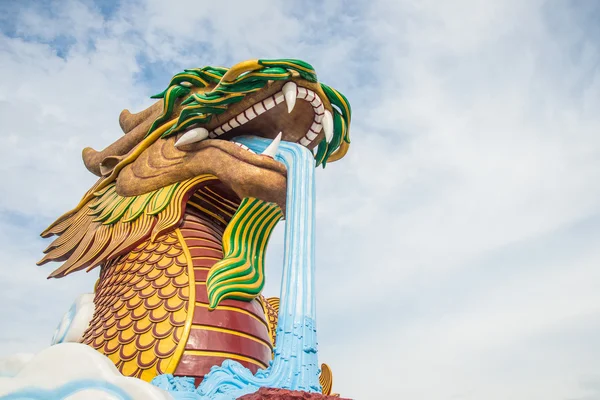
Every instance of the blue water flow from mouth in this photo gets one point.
(295, 362)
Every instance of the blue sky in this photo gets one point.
(457, 242)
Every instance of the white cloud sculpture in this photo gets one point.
(70, 371)
(75, 321)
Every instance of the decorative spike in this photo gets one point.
(289, 93)
(192, 136)
(328, 126)
(271, 150)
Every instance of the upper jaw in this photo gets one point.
(295, 108)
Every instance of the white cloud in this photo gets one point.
(467, 202)
(76, 371)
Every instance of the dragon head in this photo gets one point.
(185, 141)
(188, 133)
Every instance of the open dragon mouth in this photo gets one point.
(292, 113)
(257, 97)
(288, 95)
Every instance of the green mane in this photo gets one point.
(200, 107)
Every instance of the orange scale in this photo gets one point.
(142, 326)
(100, 298)
(101, 292)
(139, 312)
(165, 348)
(130, 294)
(171, 239)
(148, 374)
(122, 290)
(116, 306)
(174, 270)
(121, 278)
(146, 359)
(128, 352)
(161, 282)
(154, 273)
(158, 315)
(177, 333)
(153, 246)
(130, 368)
(96, 331)
(162, 330)
(177, 253)
(134, 255)
(134, 302)
(164, 262)
(164, 249)
(111, 332)
(110, 280)
(173, 304)
(101, 311)
(95, 320)
(144, 258)
(167, 292)
(141, 285)
(147, 291)
(88, 341)
(127, 278)
(179, 317)
(152, 302)
(183, 292)
(136, 267)
(98, 342)
(146, 268)
(112, 290)
(154, 257)
(111, 321)
(125, 267)
(135, 279)
(126, 336)
(145, 342)
(121, 313)
(124, 324)
(181, 281)
(111, 349)
(163, 365)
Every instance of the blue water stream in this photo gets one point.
(295, 363)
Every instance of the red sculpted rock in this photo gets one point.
(282, 394)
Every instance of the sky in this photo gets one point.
(458, 252)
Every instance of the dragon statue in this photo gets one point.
(178, 223)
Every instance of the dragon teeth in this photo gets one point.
(244, 147)
(328, 126)
(271, 150)
(192, 136)
(289, 94)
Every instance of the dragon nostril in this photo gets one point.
(109, 163)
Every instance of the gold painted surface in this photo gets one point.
(326, 379)
(223, 354)
(143, 308)
(105, 228)
(271, 305)
(231, 332)
(229, 308)
(190, 304)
